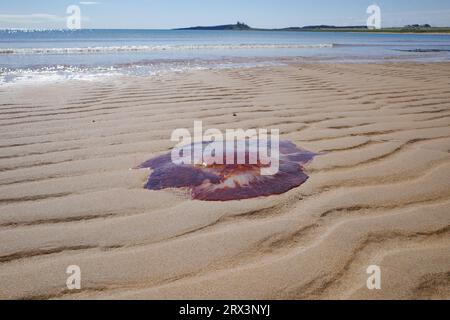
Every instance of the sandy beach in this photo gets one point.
(378, 193)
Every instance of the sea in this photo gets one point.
(41, 56)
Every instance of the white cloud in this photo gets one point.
(31, 18)
(35, 20)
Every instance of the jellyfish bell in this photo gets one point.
(216, 178)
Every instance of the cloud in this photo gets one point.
(31, 18)
(35, 20)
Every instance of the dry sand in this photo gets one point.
(378, 195)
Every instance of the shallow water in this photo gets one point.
(87, 54)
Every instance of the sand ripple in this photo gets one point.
(379, 193)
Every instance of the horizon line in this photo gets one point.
(197, 26)
(179, 29)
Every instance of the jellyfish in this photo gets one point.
(212, 181)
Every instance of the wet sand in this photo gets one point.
(379, 193)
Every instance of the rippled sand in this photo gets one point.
(378, 195)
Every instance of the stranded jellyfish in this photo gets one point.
(242, 178)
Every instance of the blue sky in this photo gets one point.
(163, 14)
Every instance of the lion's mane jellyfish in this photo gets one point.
(209, 181)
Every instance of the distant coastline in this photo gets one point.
(325, 28)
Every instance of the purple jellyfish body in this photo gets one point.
(225, 182)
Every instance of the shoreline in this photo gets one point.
(38, 78)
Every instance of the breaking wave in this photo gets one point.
(143, 48)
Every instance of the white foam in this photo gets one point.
(143, 48)
(57, 73)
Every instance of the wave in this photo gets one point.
(142, 48)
